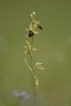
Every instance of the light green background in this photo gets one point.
(54, 51)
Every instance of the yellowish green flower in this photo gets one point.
(28, 48)
(39, 66)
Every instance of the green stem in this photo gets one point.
(32, 67)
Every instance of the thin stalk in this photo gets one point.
(32, 67)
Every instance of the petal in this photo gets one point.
(34, 49)
(27, 42)
(35, 32)
(25, 46)
(27, 29)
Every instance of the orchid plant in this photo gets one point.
(29, 49)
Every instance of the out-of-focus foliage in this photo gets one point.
(53, 49)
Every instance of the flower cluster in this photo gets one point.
(33, 25)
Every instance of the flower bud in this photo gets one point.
(33, 13)
(31, 16)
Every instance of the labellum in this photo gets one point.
(39, 27)
(31, 34)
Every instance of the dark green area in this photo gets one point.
(54, 51)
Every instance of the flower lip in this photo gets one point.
(31, 33)
(39, 27)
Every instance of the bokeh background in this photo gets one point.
(53, 45)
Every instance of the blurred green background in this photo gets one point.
(54, 51)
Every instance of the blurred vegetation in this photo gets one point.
(54, 50)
